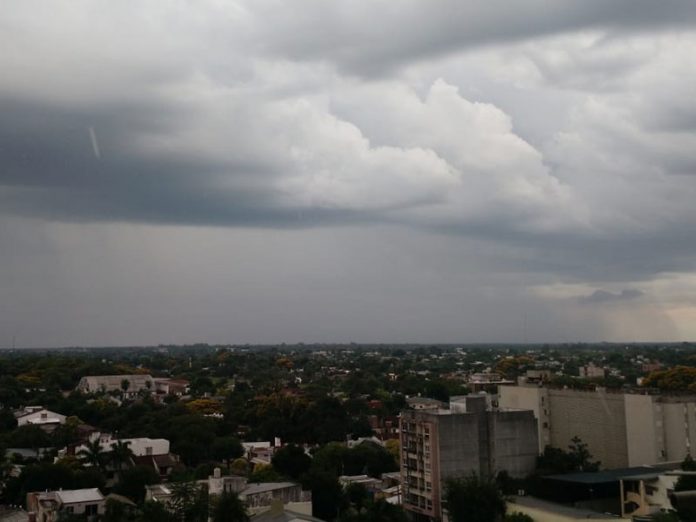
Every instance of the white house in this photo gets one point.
(50, 505)
(39, 416)
(140, 446)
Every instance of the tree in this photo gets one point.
(264, 473)
(189, 502)
(227, 449)
(471, 499)
(291, 461)
(120, 455)
(29, 436)
(93, 454)
(327, 494)
(581, 456)
(154, 512)
(133, 481)
(229, 508)
(125, 384)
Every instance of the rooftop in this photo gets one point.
(262, 487)
(559, 511)
(605, 476)
(73, 496)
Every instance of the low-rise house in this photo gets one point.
(166, 386)
(50, 506)
(39, 416)
(263, 494)
(279, 512)
(146, 452)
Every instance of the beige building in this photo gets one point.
(128, 385)
(620, 429)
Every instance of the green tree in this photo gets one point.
(133, 481)
(227, 449)
(155, 512)
(327, 494)
(471, 499)
(228, 508)
(291, 461)
(29, 436)
(264, 473)
(581, 456)
(189, 502)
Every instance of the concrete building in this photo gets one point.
(649, 493)
(621, 429)
(591, 371)
(441, 444)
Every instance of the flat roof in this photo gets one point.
(603, 477)
(72, 496)
(558, 509)
(261, 487)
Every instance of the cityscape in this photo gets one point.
(349, 432)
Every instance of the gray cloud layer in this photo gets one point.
(557, 138)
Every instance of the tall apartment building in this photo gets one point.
(467, 438)
(620, 429)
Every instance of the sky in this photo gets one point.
(265, 171)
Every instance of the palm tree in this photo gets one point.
(121, 454)
(92, 454)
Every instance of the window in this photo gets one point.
(90, 509)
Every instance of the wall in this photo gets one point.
(644, 430)
(532, 398)
(514, 443)
(597, 417)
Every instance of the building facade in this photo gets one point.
(620, 429)
(456, 442)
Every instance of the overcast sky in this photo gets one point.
(259, 171)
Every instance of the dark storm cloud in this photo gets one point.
(275, 128)
(376, 36)
(604, 296)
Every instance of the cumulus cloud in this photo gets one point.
(557, 141)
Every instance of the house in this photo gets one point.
(39, 416)
(153, 453)
(263, 494)
(279, 512)
(128, 385)
(51, 506)
(166, 386)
